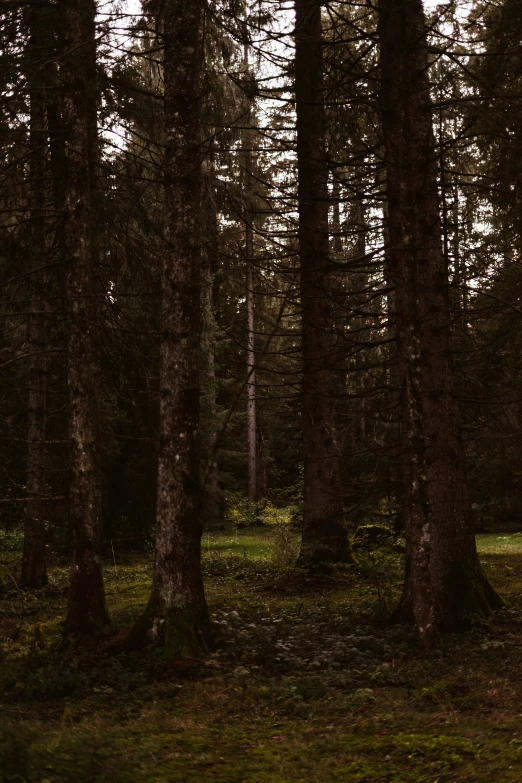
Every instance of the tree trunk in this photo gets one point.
(261, 485)
(339, 292)
(252, 445)
(87, 609)
(57, 161)
(445, 583)
(325, 537)
(213, 501)
(34, 571)
(398, 440)
(360, 284)
(251, 363)
(177, 615)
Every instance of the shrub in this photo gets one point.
(286, 546)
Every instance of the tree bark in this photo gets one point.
(360, 284)
(252, 445)
(58, 166)
(177, 616)
(251, 364)
(445, 584)
(34, 571)
(86, 609)
(325, 537)
(213, 501)
(398, 440)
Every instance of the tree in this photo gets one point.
(34, 571)
(176, 615)
(445, 583)
(251, 334)
(86, 608)
(248, 136)
(325, 537)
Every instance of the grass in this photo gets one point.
(308, 685)
(248, 543)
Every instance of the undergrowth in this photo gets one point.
(308, 683)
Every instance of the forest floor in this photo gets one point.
(309, 684)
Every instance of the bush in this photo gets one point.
(286, 546)
(240, 511)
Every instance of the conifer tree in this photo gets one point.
(445, 583)
(325, 537)
(86, 608)
(34, 571)
(176, 615)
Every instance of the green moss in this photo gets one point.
(265, 709)
(158, 748)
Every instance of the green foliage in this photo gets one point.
(240, 511)
(232, 565)
(15, 753)
(290, 497)
(376, 536)
(286, 545)
(273, 515)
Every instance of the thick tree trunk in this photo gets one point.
(445, 583)
(86, 609)
(177, 614)
(34, 571)
(325, 537)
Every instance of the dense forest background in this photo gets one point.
(86, 123)
(260, 379)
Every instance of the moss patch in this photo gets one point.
(308, 684)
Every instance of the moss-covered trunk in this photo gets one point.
(444, 581)
(325, 537)
(176, 616)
